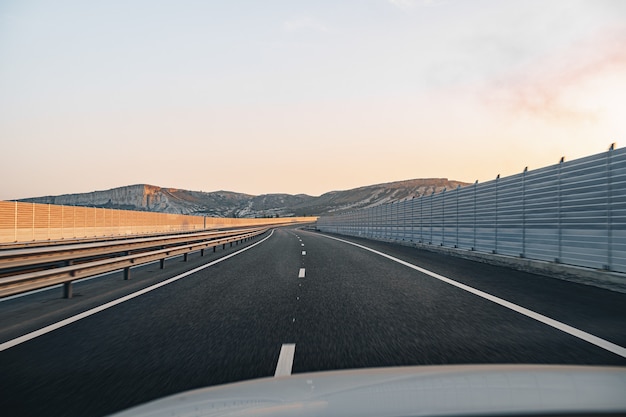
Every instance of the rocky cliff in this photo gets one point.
(230, 204)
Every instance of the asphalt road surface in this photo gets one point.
(341, 305)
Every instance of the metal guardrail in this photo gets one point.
(14, 258)
(78, 240)
(572, 213)
(152, 249)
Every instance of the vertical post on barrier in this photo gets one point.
(393, 220)
(523, 254)
(15, 223)
(458, 187)
(558, 208)
(443, 217)
(399, 222)
(430, 241)
(383, 223)
(609, 210)
(387, 220)
(495, 250)
(413, 219)
(127, 269)
(475, 184)
(67, 286)
(375, 221)
(422, 218)
(67, 289)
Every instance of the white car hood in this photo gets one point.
(407, 391)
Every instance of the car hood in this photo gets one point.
(407, 391)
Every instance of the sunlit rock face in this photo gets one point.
(145, 197)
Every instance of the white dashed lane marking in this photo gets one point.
(285, 360)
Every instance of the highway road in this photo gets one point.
(327, 303)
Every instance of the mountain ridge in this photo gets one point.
(146, 197)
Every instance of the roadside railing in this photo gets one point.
(23, 270)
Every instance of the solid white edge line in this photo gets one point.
(69, 320)
(301, 273)
(285, 360)
(595, 340)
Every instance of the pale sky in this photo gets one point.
(287, 96)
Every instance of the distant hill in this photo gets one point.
(231, 204)
(374, 195)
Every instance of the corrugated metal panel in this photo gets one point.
(24, 222)
(8, 212)
(510, 216)
(572, 212)
(486, 217)
(467, 217)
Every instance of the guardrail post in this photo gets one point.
(185, 256)
(214, 248)
(162, 263)
(67, 286)
(127, 269)
(201, 252)
(67, 289)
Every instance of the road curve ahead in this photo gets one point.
(298, 302)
